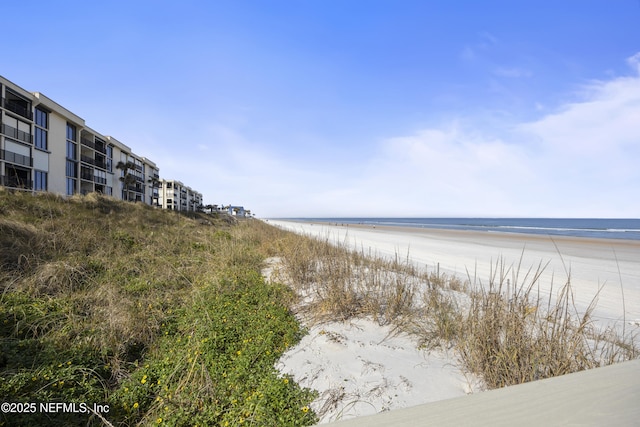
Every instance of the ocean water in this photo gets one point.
(577, 227)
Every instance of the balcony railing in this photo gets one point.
(12, 132)
(14, 181)
(88, 143)
(86, 175)
(17, 108)
(87, 160)
(19, 159)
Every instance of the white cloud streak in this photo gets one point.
(580, 161)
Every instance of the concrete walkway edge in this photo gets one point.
(597, 397)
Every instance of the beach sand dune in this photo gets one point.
(362, 368)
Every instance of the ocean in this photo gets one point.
(600, 228)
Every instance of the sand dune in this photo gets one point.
(361, 368)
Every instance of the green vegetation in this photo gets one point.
(163, 317)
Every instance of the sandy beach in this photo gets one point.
(361, 368)
(611, 265)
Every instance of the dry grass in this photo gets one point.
(501, 328)
(336, 283)
(109, 261)
(511, 335)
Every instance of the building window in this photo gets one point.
(71, 132)
(99, 177)
(109, 158)
(108, 191)
(42, 118)
(40, 181)
(71, 186)
(71, 151)
(42, 124)
(72, 169)
(41, 138)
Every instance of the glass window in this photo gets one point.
(71, 151)
(109, 158)
(71, 186)
(41, 139)
(42, 118)
(72, 169)
(71, 132)
(40, 181)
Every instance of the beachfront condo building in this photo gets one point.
(45, 147)
(174, 195)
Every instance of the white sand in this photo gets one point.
(360, 368)
(611, 264)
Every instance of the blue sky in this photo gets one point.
(356, 108)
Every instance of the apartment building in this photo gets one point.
(174, 195)
(45, 147)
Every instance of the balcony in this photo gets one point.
(88, 143)
(88, 160)
(86, 174)
(18, 159)
(100, 146)
(16, 181)
(14, 133)
(18, 106)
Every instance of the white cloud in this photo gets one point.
(634, 61)
(581, 160)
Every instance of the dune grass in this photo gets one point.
(501, 328)
(163, 317)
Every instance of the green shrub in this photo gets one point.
(163, 317)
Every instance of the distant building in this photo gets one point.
(174, 195)
(236, 211)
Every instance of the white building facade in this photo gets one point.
(45, 147)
